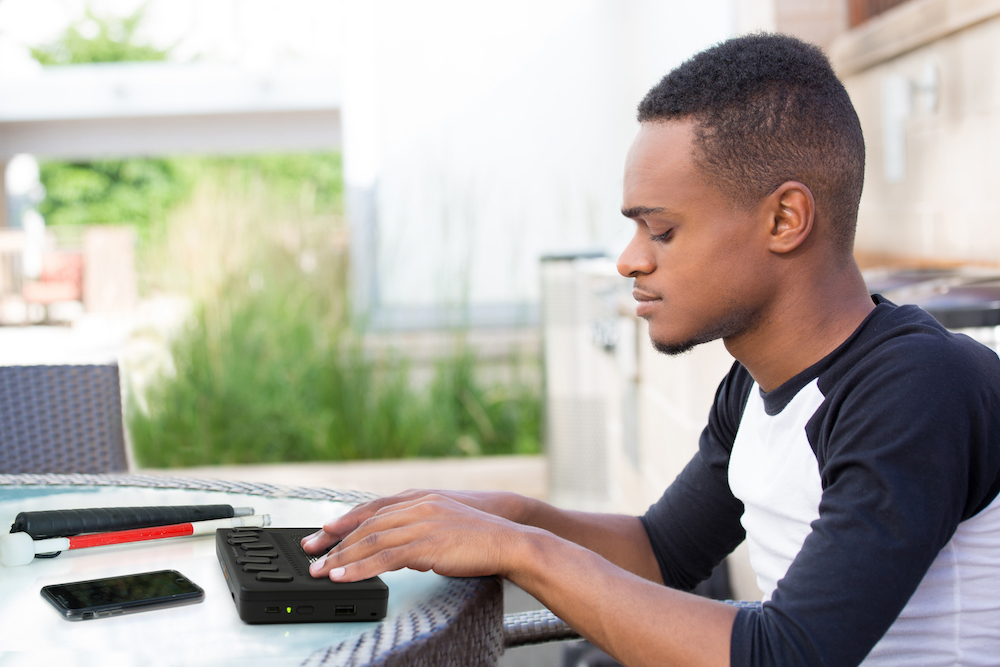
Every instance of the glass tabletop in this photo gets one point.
(209, 633)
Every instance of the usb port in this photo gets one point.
(272, 610)
(344, 610)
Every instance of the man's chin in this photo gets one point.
(674, 349)
(735, 323)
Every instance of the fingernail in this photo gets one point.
(337, 573)
(318, 565)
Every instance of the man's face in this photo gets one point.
(696, 260)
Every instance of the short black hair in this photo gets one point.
(768, 109)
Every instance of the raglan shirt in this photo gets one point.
(866, 487)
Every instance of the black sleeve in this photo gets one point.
(906, 453)
(696, 523)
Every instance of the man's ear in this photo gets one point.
(791, 212)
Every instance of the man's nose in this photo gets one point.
(635, 259)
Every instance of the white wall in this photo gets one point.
(924, 79)
(494, 133)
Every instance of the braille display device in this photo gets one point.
(268, 575)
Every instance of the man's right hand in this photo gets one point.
(503, 504)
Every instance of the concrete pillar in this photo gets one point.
(361, 152)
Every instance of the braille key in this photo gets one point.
(243, 560)
(259, 567)
(260, 553)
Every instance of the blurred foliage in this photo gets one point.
(271, 369)
(138, 192)
(266, 386)
(311, 182)
(99, 39)
(142, 192)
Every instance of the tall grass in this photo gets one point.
(269, 367)
(265, 386)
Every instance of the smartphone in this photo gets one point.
(114, 596)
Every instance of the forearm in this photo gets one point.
(634, 620)
(619, 538)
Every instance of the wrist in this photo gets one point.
(528, 550)
(523, 510)
(511, 506)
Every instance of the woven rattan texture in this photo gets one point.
(535, 627)
(541, 625)
(61, 419)
(460, 626)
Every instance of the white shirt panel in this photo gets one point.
(774, 473)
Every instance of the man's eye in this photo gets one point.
(665, 236)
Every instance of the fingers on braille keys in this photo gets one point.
(322, 556)
(317, 565)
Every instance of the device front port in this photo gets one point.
(345, 610)
(272, 610)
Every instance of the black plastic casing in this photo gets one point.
(305, 599)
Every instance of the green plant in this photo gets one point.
(260, 381)
(99, 39)
(138, 192)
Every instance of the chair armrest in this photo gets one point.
(535, 627)
(541, 625)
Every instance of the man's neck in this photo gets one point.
(802, 328)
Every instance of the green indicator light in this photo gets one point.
(288, 609)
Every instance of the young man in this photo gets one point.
(853, 443)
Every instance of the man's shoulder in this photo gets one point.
(905, 344)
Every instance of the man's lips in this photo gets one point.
(646, 301)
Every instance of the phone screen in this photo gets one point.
(116, 595)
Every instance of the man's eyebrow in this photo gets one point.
(639, 211)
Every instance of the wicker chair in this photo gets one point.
(61, 419)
